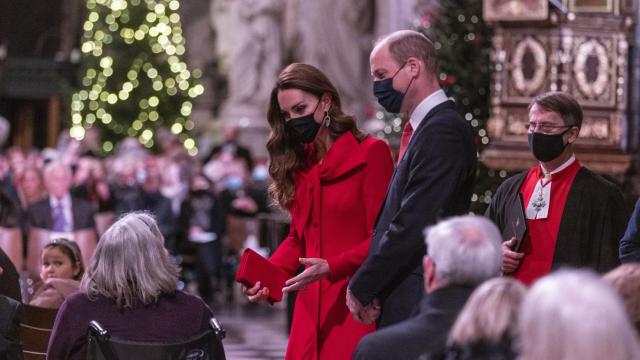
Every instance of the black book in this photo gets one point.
(516, 223)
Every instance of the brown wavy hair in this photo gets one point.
(288, 155)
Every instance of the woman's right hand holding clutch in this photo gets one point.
(256, 294)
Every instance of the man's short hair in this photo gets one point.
(404, 44)
(561, 103)
(466, 250)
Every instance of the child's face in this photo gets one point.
(55, 264)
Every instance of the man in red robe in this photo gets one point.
(574, 217)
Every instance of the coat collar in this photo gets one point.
(344, 155)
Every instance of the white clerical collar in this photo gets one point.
(565, 165)
(538, 207)
(426, 105)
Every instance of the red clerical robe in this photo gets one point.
(540, 243)
(332, 216)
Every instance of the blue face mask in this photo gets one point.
(388, 97)
(260, 173)
(233, 183)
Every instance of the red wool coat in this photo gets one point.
(332, 216)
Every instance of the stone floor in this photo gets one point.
(253, 331)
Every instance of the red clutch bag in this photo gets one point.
(254, 268)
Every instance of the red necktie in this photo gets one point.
(404, 140)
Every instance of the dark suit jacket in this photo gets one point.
(425, 333)
(433, 180)
(10, 317)
(40, 214)
(630, 242)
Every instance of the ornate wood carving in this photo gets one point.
(585, 54)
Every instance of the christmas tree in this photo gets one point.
(134, 78)
(463, 44)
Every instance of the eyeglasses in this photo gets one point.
(544, 128)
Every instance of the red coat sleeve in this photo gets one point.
(377, 174)
(288, 253)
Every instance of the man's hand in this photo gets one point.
(371, 312)
(316, 269)
(510, 259)
(361, 313)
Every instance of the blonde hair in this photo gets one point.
(491, 313)
(130, 264)
(573, 314)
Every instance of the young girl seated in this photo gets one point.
(61, 271)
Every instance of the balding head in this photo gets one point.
(404, 44)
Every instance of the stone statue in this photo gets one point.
(258, 57)
(336, 36)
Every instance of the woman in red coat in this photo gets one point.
(333, 179)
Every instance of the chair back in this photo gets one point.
(204, 346)
(35, 331)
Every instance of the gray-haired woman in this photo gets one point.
(130, 288)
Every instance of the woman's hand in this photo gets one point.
(255, 294)
(316, 269)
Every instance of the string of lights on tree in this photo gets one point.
(463, 44)
(134, 79)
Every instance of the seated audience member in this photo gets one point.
(573, 314)
(130, 289)
(462, 252)
(10, 237)
(10, 317)
(203, 221)
(60, 212)
(486, 326)
(630, 242)
(626, 280)
(9, 278)
(61, 270)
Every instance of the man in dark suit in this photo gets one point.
(62, 213)
(462, 252)
(434, 178)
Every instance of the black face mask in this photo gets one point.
(388, 97)
(546, 147)
(304, 128)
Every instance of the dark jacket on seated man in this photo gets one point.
(630, 242)
(462, 252)
(10, 316)
(41, 214)
(172, 317)
(425, 333)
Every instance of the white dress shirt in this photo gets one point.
(426, 105)
(66, 210)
